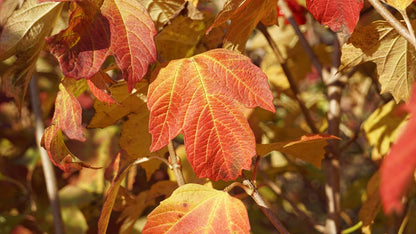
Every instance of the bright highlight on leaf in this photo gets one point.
(309, 148)
(194, 208)
(200, 97)
(125, 30)
(338, 15)
(399, 4)
(394, 56)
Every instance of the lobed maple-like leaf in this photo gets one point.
(200, 97)
(125, 30)
(195, 208)
(23, 35)
(399, 165)
(338, 15)
(244, 16)
(310, 147)
(380, 43)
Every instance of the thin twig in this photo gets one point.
(265, 208)
(298, 211)
(287, 12)
(378, 6)
(173, 158)
(291, 80)
(48, 169)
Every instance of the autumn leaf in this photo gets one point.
(399, 165)
(125, 30)
(399, 4)
(372, 204)
(338, 15)
(162, 11)
(98, 86)
(194, 208)
(180, 38)
(67, 118)
(309, 148)
(380, 43)
(244, 16)
(200, 97)
(135, 205)
(24, 35)
(382, 128)
(106, 115)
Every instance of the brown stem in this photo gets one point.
(291, 80)
(334, 82)
(48, 170)
(265, 208)
(308, 49)
(395, 23)
(408, 24)
(173, 158)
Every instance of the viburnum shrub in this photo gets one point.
(175, 116)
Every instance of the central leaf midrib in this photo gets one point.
(209, 106)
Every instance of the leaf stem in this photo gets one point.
(48, 169)
(378, 6)
(293, 85)
(287, 12)
(173, 158)
(265, 208)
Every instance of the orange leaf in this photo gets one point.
(244, 16)
(67, 118)
(132, 43)
(125, 30)
(309, 148)
(200, 97)
(98, 86)
(195, 208)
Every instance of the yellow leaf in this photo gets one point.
(399, 4)
(393, 55)
(372, 204)
(106, 115)
(180, 38)
(162, 11)
(382, 128)
(309, 148)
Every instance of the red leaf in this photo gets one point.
(79, 54)
(98, 86)
(339, 15)
(399, 165)
(132, 42)
(124, 29)
(195, 208)
(200, 97)
(67, 118)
